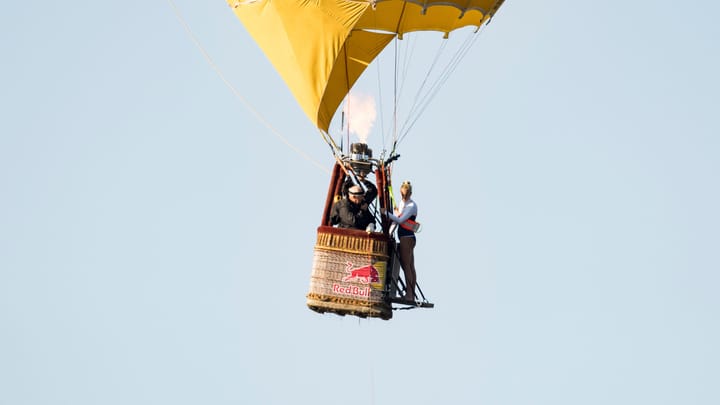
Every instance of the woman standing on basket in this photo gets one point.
(405, 215)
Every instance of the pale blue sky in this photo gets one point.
(156, 237)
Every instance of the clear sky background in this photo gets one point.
(156, 236)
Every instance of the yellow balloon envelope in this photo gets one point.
(321, 47)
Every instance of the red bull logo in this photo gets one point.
(370, 277)
(366, 275)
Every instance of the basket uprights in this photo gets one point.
(334, 188)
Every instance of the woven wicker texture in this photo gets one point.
(348, 276)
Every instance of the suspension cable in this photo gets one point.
(425, 95)
(237, 94)
(418, 96)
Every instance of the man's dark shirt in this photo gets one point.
(347, 214)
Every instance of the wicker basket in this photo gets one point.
(349, 272)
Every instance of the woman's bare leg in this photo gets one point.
(407, 261)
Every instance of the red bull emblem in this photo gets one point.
(366, 274)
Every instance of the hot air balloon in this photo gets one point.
(321, 48)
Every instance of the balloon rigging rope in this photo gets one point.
(380, 98)
(423, 102)
(237, 94)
